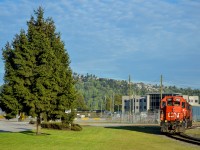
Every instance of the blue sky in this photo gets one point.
(118, 38)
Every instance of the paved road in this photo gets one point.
(14, 126)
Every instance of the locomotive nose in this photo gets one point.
(175, 114)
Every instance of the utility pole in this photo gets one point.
(134, 95)
(101, 108)
(130, 93)
(105, 103)
(118, 109)
(111, 105)
(161, 87)
(113, 102)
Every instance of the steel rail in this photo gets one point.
(185, 138)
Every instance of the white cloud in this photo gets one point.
(98, 33)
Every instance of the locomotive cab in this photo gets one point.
(175, 116)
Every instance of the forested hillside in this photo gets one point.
(96, 93)
(99, 93)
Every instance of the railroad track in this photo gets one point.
(185, 138)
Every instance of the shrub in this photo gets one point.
(76, 127)
(65, 126)
(52, 125)
(56, 126)
(61, 126)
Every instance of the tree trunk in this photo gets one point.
(38, 125)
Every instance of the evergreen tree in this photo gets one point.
(9, 102)
(38, 79)
(80, 103)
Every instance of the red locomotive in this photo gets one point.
(175, 114)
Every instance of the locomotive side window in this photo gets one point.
(183, 104)
(163, 104)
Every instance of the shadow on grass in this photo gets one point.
(144, 129)
(28, 132)
(4, 131)
(34, 133)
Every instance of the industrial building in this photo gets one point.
(192, 100)
(133, 104)
(150, 102)
(196, 113)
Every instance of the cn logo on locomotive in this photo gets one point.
(173, 115)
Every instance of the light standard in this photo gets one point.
(101, 108)
(118, 107)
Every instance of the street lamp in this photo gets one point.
(118, 107)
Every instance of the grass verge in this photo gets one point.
(93, 138)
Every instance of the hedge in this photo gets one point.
(61, 126)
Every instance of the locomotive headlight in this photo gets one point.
(165, 120)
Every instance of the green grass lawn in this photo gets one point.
(92, 138)
(194, 132)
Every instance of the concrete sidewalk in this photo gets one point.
(14, 126)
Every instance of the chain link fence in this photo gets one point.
(142, 118)
(150, 118)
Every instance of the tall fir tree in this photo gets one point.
(38, 78)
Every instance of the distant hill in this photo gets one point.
(97, 91)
